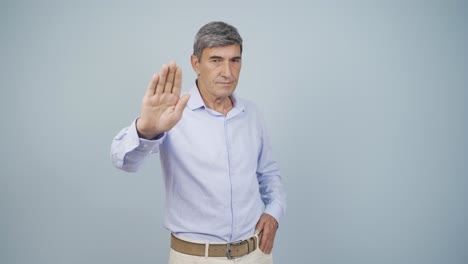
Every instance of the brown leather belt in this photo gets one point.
(229, 250)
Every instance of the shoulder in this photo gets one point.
(251, 112)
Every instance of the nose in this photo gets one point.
(226, 69)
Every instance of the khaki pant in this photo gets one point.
(255, 257)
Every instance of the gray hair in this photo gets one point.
(215, 34)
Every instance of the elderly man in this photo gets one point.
(224, 195)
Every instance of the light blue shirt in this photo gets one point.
(218, 171)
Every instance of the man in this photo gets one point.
(224, 195)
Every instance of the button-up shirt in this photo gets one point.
(218, 170)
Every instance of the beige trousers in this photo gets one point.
(255, 257)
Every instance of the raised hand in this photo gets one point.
(162, 105)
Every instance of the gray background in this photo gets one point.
(365, 102)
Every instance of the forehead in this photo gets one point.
(223, 51)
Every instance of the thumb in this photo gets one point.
(259, 226)
(179, 108)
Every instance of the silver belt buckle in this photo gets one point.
(228, 247)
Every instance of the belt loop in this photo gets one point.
(256, 240)
(207, 247)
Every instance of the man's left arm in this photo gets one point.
(272, 194)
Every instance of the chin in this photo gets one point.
(226, 90)
(230, 92)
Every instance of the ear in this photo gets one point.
(194, 61)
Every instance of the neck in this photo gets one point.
(221, 105)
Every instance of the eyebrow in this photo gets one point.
(221, 58)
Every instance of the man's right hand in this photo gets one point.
(162, 105)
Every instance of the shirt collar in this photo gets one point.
(195, 101)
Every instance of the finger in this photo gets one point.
(268, 248)
(266, 245)
(152, 85)
(170, 77)
(177, 82)
(264, 248)
(264, 242)
(162, 79)
(180, 106)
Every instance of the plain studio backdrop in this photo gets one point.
(365, 103)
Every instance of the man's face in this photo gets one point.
(218, 71)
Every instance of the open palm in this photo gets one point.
(162, 105)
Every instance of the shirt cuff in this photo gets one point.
(144, 145)
(275, 210)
